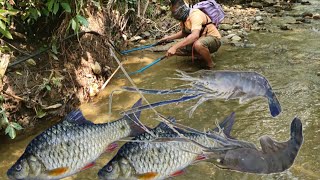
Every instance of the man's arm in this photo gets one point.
(177, 35)
(191, 38)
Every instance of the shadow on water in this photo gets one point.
(290, 60)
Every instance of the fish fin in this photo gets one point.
(274, 105)
(135, 115)
(133, 120)
(246, 97)
(76, 117)
(111, 147)
(172, 119)
(90, 165)
(147, 176)
(226, 125)
(177, 173)
(164, 126)
(200, 157)
(57, 171)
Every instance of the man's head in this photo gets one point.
(179, 10)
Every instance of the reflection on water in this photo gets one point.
(289, 60)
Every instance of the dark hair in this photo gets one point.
(177, 2)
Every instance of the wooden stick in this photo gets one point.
(108, 80)
(14, 96)
(3, 67)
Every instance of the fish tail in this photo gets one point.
(274, 104)
(283, 154)
(296, 134)
(273, 157)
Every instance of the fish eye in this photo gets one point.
(109, 169)
(18, 167)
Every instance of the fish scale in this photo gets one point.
(70, 146)
(162, 158)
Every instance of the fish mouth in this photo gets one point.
(11, 177)
(102, 175)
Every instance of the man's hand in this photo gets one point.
(172, 51)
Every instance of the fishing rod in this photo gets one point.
(148, 66)
(145, 47)
(141, 48)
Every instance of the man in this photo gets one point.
(201, 35)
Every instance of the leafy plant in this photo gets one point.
(6, 14)
(56, 81)
(40, 113)
(30, 11)
(45, 85)
(11, 127)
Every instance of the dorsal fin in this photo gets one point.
(76, 117)
(226, 125)
(135, 116)
(164, 126)
(134, 121)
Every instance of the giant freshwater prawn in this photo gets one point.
(214, 85)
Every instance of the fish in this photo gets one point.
(149, 158)
(71, 146)
(274, 156)
(163, 154)
(211, 85)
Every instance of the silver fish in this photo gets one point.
(71, 146)
(162, 155)
(207, 84)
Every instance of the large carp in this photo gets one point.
(71, 146)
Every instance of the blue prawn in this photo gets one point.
(212, 85)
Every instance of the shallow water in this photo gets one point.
(290, 61)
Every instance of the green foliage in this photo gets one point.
(48, 84)
(30, 11)
(40, 113)
(45, 85)
(7, 12)
(56, 81)
(11, 127)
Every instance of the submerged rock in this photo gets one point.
(145, 35)
(285, 27)
(305, 3)
(308, 21)
(307, 14)
(236, 38)
(316, 16)
(135, 38)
